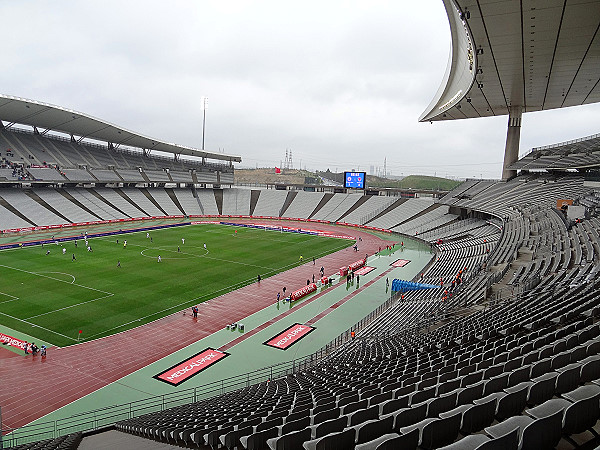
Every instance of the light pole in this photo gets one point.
(204, 101)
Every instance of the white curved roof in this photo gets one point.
(55, 118)
(534, 54)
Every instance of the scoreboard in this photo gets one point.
(355, 180)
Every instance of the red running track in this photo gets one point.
(31, 387)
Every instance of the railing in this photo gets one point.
(364, 219)
(561, 144)
(104, 417)
(131, 151)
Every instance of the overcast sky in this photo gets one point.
(341, 84)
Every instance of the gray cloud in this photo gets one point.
(340, 83)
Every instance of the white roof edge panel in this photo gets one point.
(461, 69)
(56, 118)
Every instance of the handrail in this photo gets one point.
(561, 144)
(129, 150)
(103, 417)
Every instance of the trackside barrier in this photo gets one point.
(92, 235)
(100, 418)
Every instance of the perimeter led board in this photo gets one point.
(355, 180)
(184, 370)
(289, 336)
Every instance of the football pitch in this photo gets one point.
(113, 288)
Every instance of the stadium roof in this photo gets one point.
(17, 110)
(533, 54)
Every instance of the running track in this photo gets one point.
(32, 387)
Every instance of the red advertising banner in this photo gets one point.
(312, 287)
(358, 264)
(193, 366)
(13, 342)
(364, 270)
(289, 336)
(400, 263)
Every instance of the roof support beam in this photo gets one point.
(513, 137)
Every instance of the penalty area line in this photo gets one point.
(55, 279)
(38, 326)
(210, 296)
(70, 306)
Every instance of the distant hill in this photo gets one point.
(414, 182)
(423, 182)
(268, 176)
(295, 176)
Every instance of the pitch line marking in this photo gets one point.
(12, 298)
(62, 273)
(211, 296)
(55, 279)
(37, 326)
(70, 306)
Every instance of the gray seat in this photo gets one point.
(436, 432)
(334, 441)
(290, 441)
(585, 410)
(295, 425)
(513, 402)
(372, 429)
(475, 417)
(509, 441)
(590, 369)
(379, 398)
(258, 440)
(541, 367)
(421, 396)
(392, 441)
(582, 392)
(409, 416)
(269, 423)
(448, 386)
(568, 378)
(363, 415)
(470, 393)
(354, 406)
(327, 427)
(232, 439)
(534, 434)
(298, 415)
(542, 388)
(578, 353)
(472, 378)
(519, 375)
(347, 399)
(325, 415)
(325, 406)
(560, 360)
(496, 384)
(577, 416)
(390, 406)
(440, 404)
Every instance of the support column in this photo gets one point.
(513, 137)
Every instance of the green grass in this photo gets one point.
(52, 297)
(423, 182)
